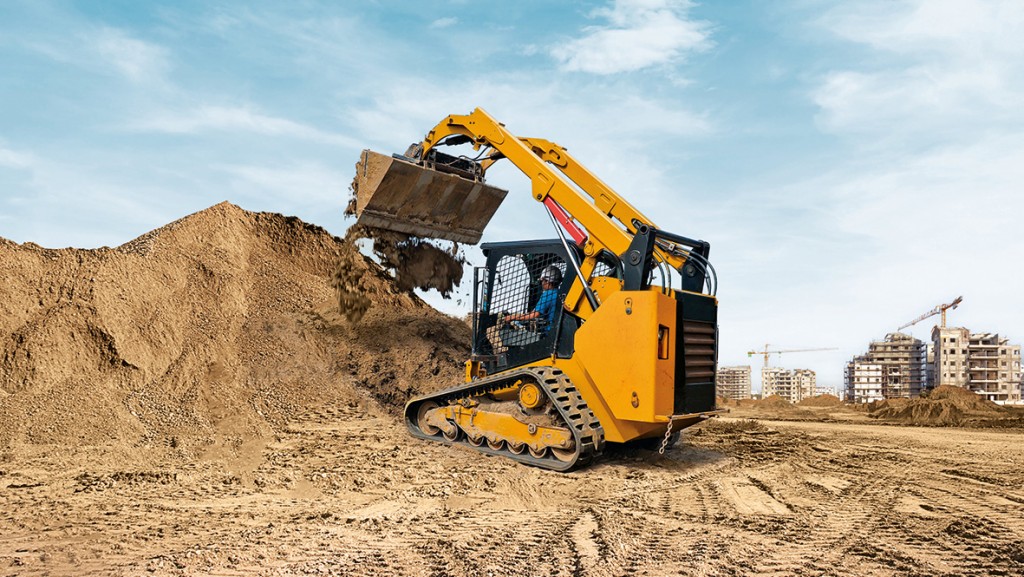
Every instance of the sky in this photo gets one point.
(853, 164)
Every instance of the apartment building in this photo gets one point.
(862, 380)
(895, 367)
(904, 365)
(733, 382)
(929, 367)
(806, 383)
(792, 385)
(950, 356)
(982, 362)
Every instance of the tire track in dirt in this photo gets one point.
(475, 542)
(839, 523)
(893, 543)
(889, 475)
(475, 538)
(984, 536)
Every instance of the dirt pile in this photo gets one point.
(821, 401)
(770, 407)
(773, 402)
(210, 331)
(944, 406)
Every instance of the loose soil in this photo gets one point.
(821, 401)
(206, 333)
(193, 403)
(415, 263)
(945, 406)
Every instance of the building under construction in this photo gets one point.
(892, 368)
(862, 380)
(792, 385)
(982, 362)
(733, 382)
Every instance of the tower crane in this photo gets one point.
(941, 309)
(767, 352)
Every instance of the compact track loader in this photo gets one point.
(624, 354)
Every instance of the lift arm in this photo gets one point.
(613, 223)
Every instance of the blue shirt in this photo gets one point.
(547, 306)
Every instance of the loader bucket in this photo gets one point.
(395, 194)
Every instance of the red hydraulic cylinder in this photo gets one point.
(578, 235)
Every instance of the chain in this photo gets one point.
(664, 442)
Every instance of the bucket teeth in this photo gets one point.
(395, 194)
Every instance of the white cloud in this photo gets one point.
(970, 28)
(79, 203)
(16, 159)
(237, 119)
(136, 60)
(937, 66)
(639, 34)
(923, 206)
(104, 50)
(960, 202)
(444, 22)
(405, 109)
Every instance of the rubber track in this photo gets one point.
(573, 410)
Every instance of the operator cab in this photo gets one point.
(510, 284)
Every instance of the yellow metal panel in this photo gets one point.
(615, 430)
(494, 426)
(604, 286)
(619, 345)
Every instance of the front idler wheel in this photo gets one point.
(421, 418)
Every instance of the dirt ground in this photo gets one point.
(191, 403)
(343, 490)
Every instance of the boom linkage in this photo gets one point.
(610, 220)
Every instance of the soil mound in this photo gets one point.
(214, 329)
(821, 401)
(943, 407)
(773, 402)
(772, 407)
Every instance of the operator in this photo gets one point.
(547, 304)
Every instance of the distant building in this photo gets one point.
(733, 382)
(863, 380)
(929, 367)
(895, 367)
(806, 383)
(982, 362)
(827, 391)
(950, 359)
(904, 360)
(792, 385)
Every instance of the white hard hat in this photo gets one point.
(551, 274)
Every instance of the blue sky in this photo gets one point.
(852, 163)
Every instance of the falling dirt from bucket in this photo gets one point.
(395, 194)
(414, 263)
